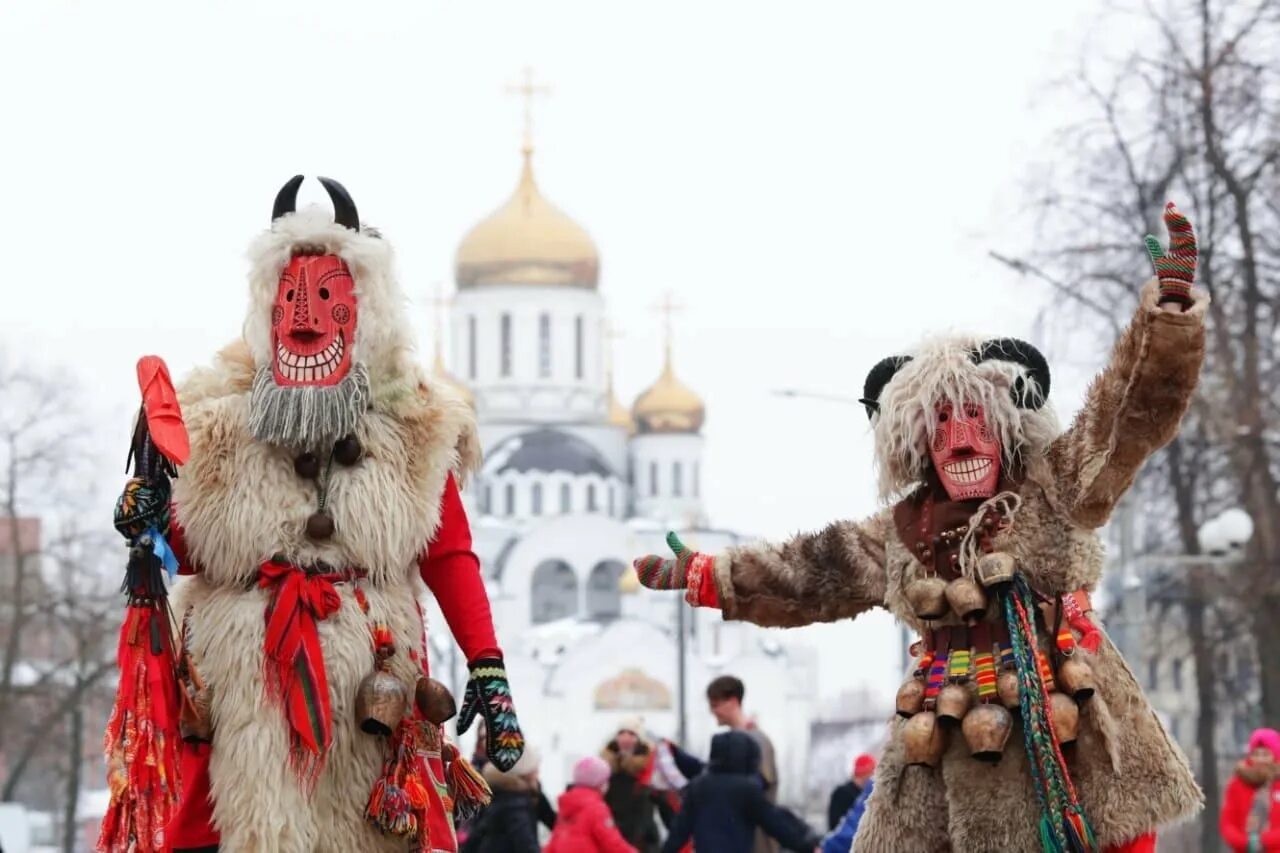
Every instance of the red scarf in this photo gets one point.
(294, 661)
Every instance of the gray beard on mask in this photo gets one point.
(307, 416)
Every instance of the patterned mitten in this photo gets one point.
(691, 571)
(489, 694)
(1177, 268)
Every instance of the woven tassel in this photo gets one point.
(470, 792)
(1076, 605)
(1065, 640)
(397, 804)
(1078, 831)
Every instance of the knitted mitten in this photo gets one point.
(691, 571)
(1177, 268)
(489, 694)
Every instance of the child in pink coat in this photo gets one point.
(585, 824)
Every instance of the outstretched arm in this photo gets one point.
(833, 574)
(1136, 404)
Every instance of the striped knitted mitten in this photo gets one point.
(691, 571)
(1176, 269)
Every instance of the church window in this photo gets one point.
(544, 346)
(613, 501)
(591, 497)
(604, 599)
(566, 499)
(653, 479)
(536, 498)
(1153, 673)
(1175, 673)
(488, 499)
(697, 484)
(578, 347)
(471, 346)
(677, 479)
(554, 592)
(510, 495)
(506, 346)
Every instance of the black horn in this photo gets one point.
(287, 198)
(879, 377)
(344, 209)
(1023, 353)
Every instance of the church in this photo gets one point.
(574, 486)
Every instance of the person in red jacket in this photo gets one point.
(585, 824)
(1256, 773)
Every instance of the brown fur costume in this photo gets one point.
(1130, 776)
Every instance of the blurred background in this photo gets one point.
(659, 245)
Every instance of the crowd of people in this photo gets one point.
(649, 795)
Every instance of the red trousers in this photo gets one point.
(192, 826)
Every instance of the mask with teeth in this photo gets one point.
(313, 322)
(965, 453)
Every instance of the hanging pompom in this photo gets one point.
(470, 792)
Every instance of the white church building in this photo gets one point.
(574, 486)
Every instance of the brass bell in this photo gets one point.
(923, 740)
(195, 717)
(381, 703)
(910, 699)
(986, 730)
(995, 569)
(434, 700)
(954, 701)
(927, 597)
(967, 600)
(1007, 689)
(1075, 677)
(1066, 717)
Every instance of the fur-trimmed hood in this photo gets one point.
(510, 783)
(633, 764)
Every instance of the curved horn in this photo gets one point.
(287, 198)
(1023, 353)
(877, 378)
(344, 209)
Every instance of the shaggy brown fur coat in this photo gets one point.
(239, 502)
(1130, 776)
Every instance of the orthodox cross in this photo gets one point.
(528, 91)
(667, 308)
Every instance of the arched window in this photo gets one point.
(697, 480)
(471, 346)
(554, 589)
(653, 479)
(536, 499)
(510, 496)
(604, 600)
(544, 346)
(566, 499)
(488, 500)
(613, 501)
(505, 362)
(677, 479)
(591, 497)
(578, 348)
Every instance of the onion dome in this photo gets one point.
(668, 405)
(528, 241)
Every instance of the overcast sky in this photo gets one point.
(818, 184)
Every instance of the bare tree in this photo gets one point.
(59, 607)
(1190, 112)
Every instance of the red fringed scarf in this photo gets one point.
(142, 735)
(294, 661)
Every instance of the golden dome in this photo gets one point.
(528, 241)
(618, 414)
(668, 405)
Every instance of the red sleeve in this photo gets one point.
(605, 833)
(1233, 822)
(451, 570)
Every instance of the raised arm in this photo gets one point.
(833, 574)
(1135, 405)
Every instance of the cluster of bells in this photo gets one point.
(985, 725)
(382, 699)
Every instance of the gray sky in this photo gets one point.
(818, 183)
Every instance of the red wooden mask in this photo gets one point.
(313, 321)
(965, 453)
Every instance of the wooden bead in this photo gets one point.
(319, 525)
(307, 466)
(348, 450)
